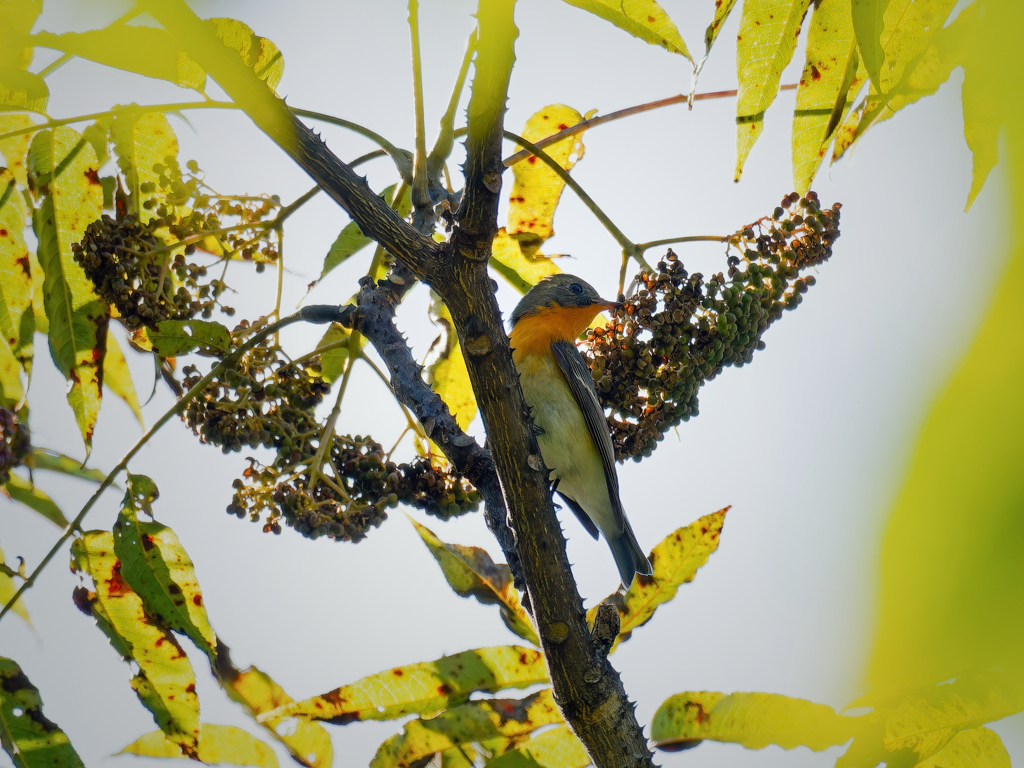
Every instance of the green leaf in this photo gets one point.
(640, 18)
(828, 79)
(970, 749)
(7, 590)
(142, 142)
(155, 565)
(178, 337)
(28, 737)
(471, 572)
(333, 361)
(218, 744)
(64, 167)
(917, 725)
(675, 560)
(722, 10)
(869, 25)
(754, 720)
(118, 377)
(423, 688)
(765, 44)
(351, 239)
(521, 271)
(54, 461)
(23, 90)
(147, 51)
(165, 683)
(29, 494)
(556, 747)
(15, 149)
(448, 375)
(17, 322)
(309, 743)
(476, 721)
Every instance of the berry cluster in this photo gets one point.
(351, 491)
(677, 331)
(15, 444)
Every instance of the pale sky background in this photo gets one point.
(808, 443)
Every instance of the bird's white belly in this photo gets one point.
(565, 442)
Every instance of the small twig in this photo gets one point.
(420, 197)
(400, 157)
(446, 137)
(642, 247)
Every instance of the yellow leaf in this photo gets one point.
(31, 496)
(257, 52)
(971, 749)
(423, 688)
(474, 722)
(7, 590)
(38, 306)
(64, 164)
(17, 321)
(23, 90)
(448, 375)
(333, 360)
(909, 28)
(165, 683)
(218, 744)
(984, 114)
(767, 38)
(471, 572)
(675, 560)
(15, 148)
(309, 743)
(640, 18)
(556, 747)
(754, 720)
(722, 10)
(536, 188)
(869, 25)
(117, 376)
(521, 271)
(142, 142)
(830, 75)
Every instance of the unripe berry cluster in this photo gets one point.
(15, 444)
(677, 331)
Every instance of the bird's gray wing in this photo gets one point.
(581, 515)
(577, 376)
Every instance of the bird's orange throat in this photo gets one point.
(534, 333)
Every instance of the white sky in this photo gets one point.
(808, 443)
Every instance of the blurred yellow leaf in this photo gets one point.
(15, 149)
(754, 720)
(23, 90)
(448, 375)
(165, 683)
(970, 749)
(767, 38)
(257, 52)
(473, 722)
(471, 572)
(308, 743)
(64, 164)
(640, 18)
(675, 560)
(536, 188)
(17, 321)
(7, 590)
(218, 744)
(425, 687)
(522, 271)
(118, 377)
(19, 489)
(27, 735)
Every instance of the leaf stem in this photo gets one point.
(688, 239)
(446, 137)
(75, 525)
(420, 197)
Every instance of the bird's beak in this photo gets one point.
(605, 304)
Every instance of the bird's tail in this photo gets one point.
(629, 558)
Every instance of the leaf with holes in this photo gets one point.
(142, 142)
(64, 170)
(640, 18)
(17, 321)
(155, 565)
(536, 188)
(521, 271)
(29, 738)
(218, 744)
(178, 337)
(675, 561)
(117, 376)
(424, 688)
(447, 374)
(768, 34)
(471, 572)
(474, 722)
(754, 720)
(165, 683)
(309, 743)
(27, 493)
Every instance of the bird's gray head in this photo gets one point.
(567, 291)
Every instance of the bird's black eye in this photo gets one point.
(576, 288)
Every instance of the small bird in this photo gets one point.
(570, 422)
